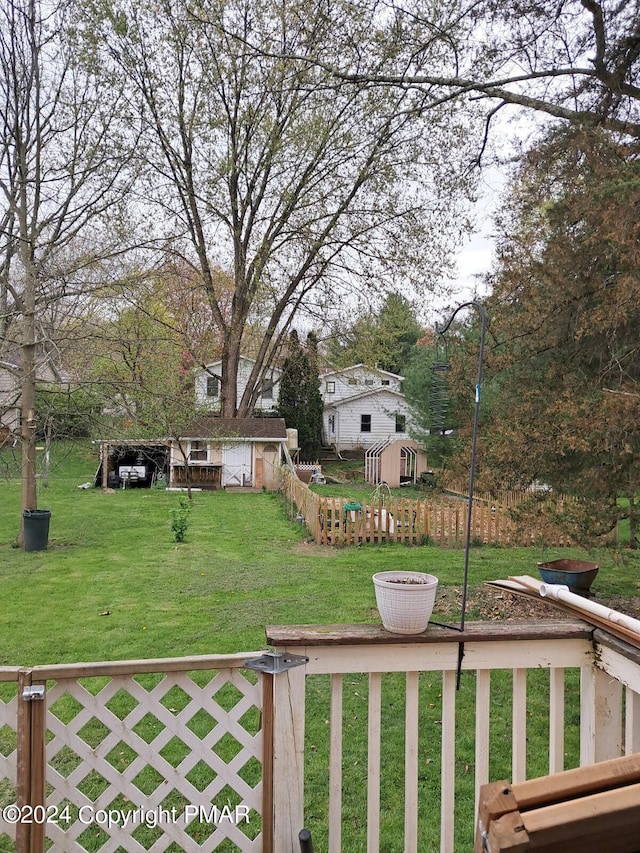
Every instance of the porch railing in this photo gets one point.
(437, 744)
(362, 737)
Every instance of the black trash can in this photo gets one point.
(36, 529)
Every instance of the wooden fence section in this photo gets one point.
(507, 497)
(551, 670)
(442, 521)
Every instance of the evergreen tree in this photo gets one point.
(383, 340)
(564, 317)
(300, 401)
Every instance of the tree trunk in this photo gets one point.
(229, 386)
(633, 525)
(28, 399)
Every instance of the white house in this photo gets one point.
(362, 406)
(47, 373)
(207, 384)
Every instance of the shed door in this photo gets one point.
(236, 465)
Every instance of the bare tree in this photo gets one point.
(260, 162)
(575, 60)
(61, 170)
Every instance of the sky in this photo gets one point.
(475, 256)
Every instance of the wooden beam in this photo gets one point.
(38, 796)
(521, 630)
(23, 761)
(604, 776)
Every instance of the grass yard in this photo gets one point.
(114, 585)
(245, 564)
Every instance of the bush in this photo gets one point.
(180, 522)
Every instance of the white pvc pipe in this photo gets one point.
(559, 592)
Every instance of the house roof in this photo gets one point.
(360, 395)
(353, 367)
(218, 363)
(236, 429)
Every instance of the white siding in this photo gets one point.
(341, 384)
(381, 406)
(244, 371)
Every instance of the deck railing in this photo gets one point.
(365, 738)
(534, 698)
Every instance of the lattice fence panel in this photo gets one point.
(155, 763)
(8, 759)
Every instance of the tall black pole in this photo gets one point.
(474, 441)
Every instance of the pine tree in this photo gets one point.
(300, 401)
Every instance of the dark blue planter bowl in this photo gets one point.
(578, 575)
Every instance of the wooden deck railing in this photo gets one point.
(450, 740)
(357, 734)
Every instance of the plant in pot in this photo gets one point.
(405, 600)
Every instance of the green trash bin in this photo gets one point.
(36, 529)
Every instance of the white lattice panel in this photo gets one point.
(160, 754)
(8, 724)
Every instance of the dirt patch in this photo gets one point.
(309, 548)
(488, 603)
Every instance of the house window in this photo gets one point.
(198, 451)
(332, 424)
(213, 386)
(330, 387)
(267, 389)
(385, 382)
(368, 381)
(365, 423)
(401, 423)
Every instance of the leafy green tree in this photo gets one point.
(258, 160)
(383, 340)
(565, 313)
(300, 401)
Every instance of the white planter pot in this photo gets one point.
(405, 608)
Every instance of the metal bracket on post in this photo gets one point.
(274, 663)
(33, 692)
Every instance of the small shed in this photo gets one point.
(394, 462)
(222, 453)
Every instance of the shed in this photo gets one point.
(394, 462)
(215, 453)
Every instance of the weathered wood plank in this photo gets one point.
(411, 764)
(327, 635)
(335, 766)
(604, 776)
(374, 738)
(134, 667)
(606, 812)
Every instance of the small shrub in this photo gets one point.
(180, 522)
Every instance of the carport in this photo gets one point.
(131, 464)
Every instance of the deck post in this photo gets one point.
(601, 716)
(286, 677)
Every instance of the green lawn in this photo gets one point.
(245, 564)
(114, 584)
